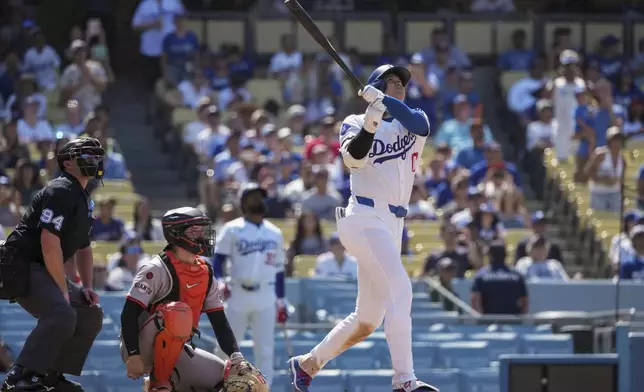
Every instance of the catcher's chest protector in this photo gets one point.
(190, 283)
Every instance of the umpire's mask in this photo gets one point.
(88, 153)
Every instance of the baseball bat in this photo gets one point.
(314, 30)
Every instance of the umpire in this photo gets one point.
(55, 228)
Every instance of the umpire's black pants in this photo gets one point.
(65, 332)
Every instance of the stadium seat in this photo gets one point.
(546, 344)
(425, 354)
(521, 329)
(467, 355)
(446, 380)
(298, 346)
(105, 356)
(422, 321)
(363, 355)
(470, 329)
(499, 343)
(281, 382)
(330, 381)
(438, 337)
(117, 381)
(368, 381)
(480, 380)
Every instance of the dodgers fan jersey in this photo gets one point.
(392, 162)
(255, 252)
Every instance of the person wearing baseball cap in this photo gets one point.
(458, 258)
(336, 263)
(632, 265)
(564, 101)
(455, 132)
(539, 229)
(493, 160)
(621, 244)
(537, 265)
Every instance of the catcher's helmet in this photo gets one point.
(377, 77)
(88, 153)
(189, 229)
(246, 192)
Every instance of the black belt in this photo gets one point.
(253, 287)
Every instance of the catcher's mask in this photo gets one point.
(88, 154)
(189, 229)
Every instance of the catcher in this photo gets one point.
(162, 311)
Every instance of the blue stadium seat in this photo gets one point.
(446, 380)
(438, 337)
(466, 355)
(246, 348)
(439, 327)
(368, 381)
(91, 381)
(522, 329)
(363, 355)
(499, 343)
(423, 320)
(425, 354)
(477, 328)
(425, 306)
(281, 382)
(419, 286)
(480, 380)
(105, 355)
(117, 381)
(329, 381)
(547, 344)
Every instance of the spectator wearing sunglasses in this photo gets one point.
(121, 277)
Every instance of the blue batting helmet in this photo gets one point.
(376, 78)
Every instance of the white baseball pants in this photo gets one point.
(256, 310)
(373, 235)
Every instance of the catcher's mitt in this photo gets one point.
(243, 377)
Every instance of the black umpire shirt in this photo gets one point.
(62, 207)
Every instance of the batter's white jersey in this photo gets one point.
(391, 164)
(255, 252)
(326, 266)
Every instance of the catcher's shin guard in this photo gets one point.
(169, 342)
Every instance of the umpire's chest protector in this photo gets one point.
(191, 283)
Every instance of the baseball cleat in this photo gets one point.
(416, 386)
(300, 379)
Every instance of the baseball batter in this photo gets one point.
(163, 307)
(382, 148)
(254, 249)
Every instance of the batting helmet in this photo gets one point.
(176, 223)
(245, 193)
(88, 154)
(377, 77)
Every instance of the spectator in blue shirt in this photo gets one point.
(422, 88)
(592, 121)
(465, 87)
(239, 64)
(609, 57)
(107, 227)
(493, 161)
(470, 156)
(519, 57)
(456, 132)
(180, 52)
(625, 91)
(498, 288)
(632, 265)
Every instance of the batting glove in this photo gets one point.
(371, 94)
(282, 311)
(373, 116)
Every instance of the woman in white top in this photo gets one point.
(194, 89)
(621, 244)
(336, 263)
(605, 170)
(43, 61)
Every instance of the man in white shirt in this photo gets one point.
(336, 262)
(540, 133)
(30, 127)
(563, 91)
(521, 95)
(212, 140)
(84, 80)
(322, 199)
(192, 130)
(43, 61)
(537, 266)
(286, 60)
(154, 19)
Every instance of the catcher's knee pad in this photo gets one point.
(175, 332)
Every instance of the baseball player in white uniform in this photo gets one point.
(255, 288)
(382, 148)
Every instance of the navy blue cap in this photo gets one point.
(460, 98)
(632, 215)
(609, 39)
(636, 230)
(334, 238)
